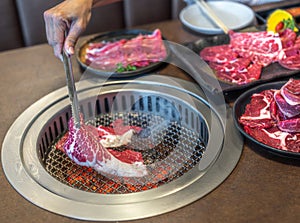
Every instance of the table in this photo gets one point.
(262, 187)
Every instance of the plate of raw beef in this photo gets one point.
(123, 53)
(269, 115)
(243, 59)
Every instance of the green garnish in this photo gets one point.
(120, 68)
(289, 23)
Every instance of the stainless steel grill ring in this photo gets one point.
(197, 132)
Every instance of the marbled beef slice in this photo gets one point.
(291, 92)
(139, 51)
(258, 113)
(83, 146)
(287, 110)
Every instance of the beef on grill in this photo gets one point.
(84, 148)
(117, 134)
(139, 51)
(270, 119)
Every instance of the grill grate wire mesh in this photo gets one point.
(180, 144)
(187, 143)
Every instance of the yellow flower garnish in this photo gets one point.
(280, 20)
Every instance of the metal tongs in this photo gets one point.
(211, 14)
(71, 88)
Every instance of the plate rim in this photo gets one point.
(246, 96)
(213, 31)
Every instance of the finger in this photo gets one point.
(57, 42)
(71, 40)
(55, 30)
(47, 20)
(74, 32)
(58, 50)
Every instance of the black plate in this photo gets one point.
(111, 37)
(239, 109)
(269, 73)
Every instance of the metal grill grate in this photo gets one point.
(48, 179)
(179, 150)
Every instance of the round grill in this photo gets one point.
(183, 163)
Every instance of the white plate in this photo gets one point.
(234, 15)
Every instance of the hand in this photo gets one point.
(65, 22)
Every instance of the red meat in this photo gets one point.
(288, 38)
(139, 51)
(286, 109)
(275, 138)
(258, 113)
(262, 47)
(290, 56)
(236, 64)
(84, 148)
(218, 54)
(239, 76)
(291, 92)
(241, 61)
(270, 119)
(290, 125)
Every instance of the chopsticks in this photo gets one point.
(211, 14)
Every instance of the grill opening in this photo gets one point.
(198, 139)
(180, 148)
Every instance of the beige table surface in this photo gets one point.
(262, 187)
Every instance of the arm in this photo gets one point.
(72, 17)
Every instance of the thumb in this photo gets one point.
(72, 38)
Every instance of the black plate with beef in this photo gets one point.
(116, 72)
(269, 73)
(239, 109)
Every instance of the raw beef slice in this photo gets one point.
(290, 125)
(259, 113)
(291, 92)
(262, 47)
(218, 54)
(275, 138)
(270, 119)
(84, 148)
(286, 109)
(139, 51)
